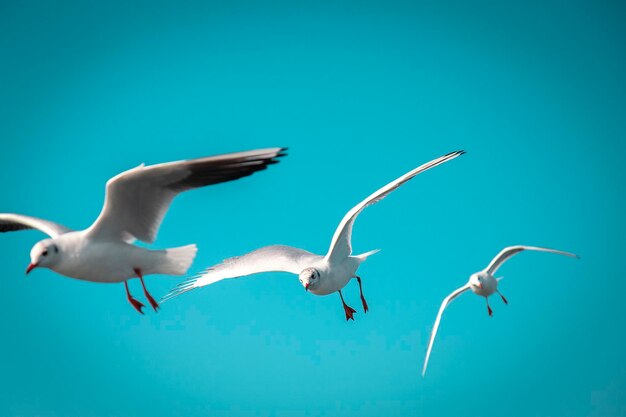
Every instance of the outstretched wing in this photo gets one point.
(136, 200)
(341, 246)
(276, 258)
(508, 252)
(10, 222)
(444, 304)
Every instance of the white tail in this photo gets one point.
(365, 255)
(178, 260)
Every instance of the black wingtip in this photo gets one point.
(282, 153)
(456, 153)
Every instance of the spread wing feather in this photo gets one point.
(10, 222)
(136, 200)
(276, 258)
(508, 252)
(341, 245)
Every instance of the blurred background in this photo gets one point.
(360, 92)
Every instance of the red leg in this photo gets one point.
(365, 307)
(349, 310)
(152, 301)
(136, 304)
(489, 308)
(503, 299)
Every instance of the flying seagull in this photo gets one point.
(484, 283)
(135, 203)
(321, 275)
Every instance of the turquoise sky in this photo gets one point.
(360, 92)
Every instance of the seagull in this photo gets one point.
(320, 275)
(484, 283)
(135, 204)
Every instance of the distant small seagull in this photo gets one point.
(321, 275)
(484, 284)
(136, 202)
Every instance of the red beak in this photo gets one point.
(306, 286)
(30, 268)
(480, 285)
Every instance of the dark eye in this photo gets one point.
(44, 253)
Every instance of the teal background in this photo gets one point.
(361, 92)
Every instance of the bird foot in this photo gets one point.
(504, 299)
(152, 302)
(136, 304)
(349, 312)
(365, 307)
(490, 311)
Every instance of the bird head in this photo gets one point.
(309, 278)
(44, 254)
(476, 281)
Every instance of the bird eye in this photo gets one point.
(44, 253)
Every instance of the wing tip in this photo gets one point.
(282, 152)
(180, 289)
(271, 157)
(456, 153)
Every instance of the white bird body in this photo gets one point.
(335, 276)
(110, 261)
(321, 275)
(489, 284)
(135, 204)
(484, 284)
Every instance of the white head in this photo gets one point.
(309, 278)
(476, 281)
(44, 254)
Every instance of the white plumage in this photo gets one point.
(321, 275)
(135, 204)
(483, 283)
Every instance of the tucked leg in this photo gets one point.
(152, 301)
(503, 299)
(365, 307)
(488, 307)
(136, 304)
(349, 310)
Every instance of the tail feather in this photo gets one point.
(365, 255)
(178, 260)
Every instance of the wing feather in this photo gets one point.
(341, 246)
(444, 304)
(508, 252)
(276, 258)
(136, 200)
(10, 222)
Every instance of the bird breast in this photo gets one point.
(334, 277)
(489, 285)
